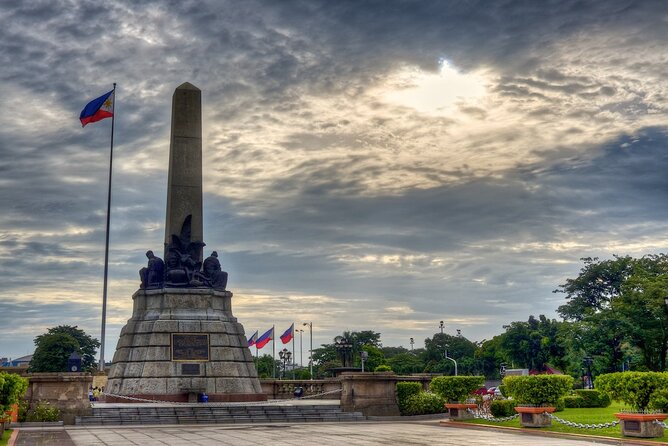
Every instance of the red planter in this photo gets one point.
(458, 411)
(641, 424)
(531, 416)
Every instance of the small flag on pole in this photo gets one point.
(288, 334)
(253, 339)
(98, 109)
(265, 338)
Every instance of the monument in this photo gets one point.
(182, 340)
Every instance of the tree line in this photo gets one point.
(615, 317)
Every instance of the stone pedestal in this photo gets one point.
(181, 342)
(373, 394)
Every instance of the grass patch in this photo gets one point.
(584, 416)
(5, 437)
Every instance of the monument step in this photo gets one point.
(211, 414)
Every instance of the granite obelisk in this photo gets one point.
(182, 339)
(184, 184)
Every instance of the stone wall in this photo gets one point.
(284, 389)
(66, 391)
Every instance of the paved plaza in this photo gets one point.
(292, 434)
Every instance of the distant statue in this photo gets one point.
(152, 275)
(213, 273)
(176, 275)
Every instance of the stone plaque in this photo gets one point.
(190, 369)
(190, 347)
(631, 425)
(527, 418)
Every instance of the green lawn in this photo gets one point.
(584, 416)
(5, 437)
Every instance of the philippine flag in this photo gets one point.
(253, 339)
(98, 109)
(265, 338)
(288, 334)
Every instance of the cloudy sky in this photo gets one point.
(376, 165)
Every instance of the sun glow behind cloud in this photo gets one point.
(436, 94)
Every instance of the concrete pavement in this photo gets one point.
(291, 434)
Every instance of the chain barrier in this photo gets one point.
(249, 403)
(661, 423)
(491, 418)
(581, 425)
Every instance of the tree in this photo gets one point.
(265, 366)
(52, 352)
(86, 347)
(534, 344)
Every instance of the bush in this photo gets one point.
(538, 389)
(593, 398)
(12, 389)
(573, 401)
(383, 368)
(502, 408)
(405, 390)
(456, 388)
(560, 405)
(424, 403)
(659, 400)
(43, 411)
(632, 388)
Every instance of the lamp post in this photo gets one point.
(451, 359)
(285, 355)
(310, 351)
(412, 342)
(364, 355)
(343, 347)
(301, 349)
(441, 325)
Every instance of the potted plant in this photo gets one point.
(636, 389)
(536, 396)
(456, 390)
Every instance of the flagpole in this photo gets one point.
(106, 245)
(273, 348)
(294, 358)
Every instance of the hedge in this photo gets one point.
(632, 388)
(538, 389)
(502, 408)
(404, 391)
(456, 388)
(593, 398)
(424, 403)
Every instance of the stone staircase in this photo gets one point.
(139, 414)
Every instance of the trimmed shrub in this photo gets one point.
(383, 368)
(560, 405)
(456, 388)
(502, 408)
(405, 390)
(593, 398)
(424, 403)
(659, 400)
(632, 388)
(538, 389)
(43, 411)
(573, 401)
(12, 389)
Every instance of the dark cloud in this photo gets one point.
(317, 186)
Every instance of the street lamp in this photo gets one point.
(451, 359)
(301, 349)
(412, 342)
(364, 355)
(310, 351)
(343, 347)
(285, 355)
(441, 325)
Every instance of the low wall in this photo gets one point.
(375, 394)
(66, 391)
(276, 389)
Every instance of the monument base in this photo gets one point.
(179, 343)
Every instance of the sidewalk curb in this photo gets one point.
(12, 438)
